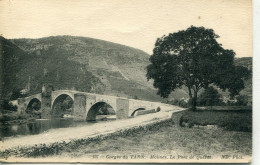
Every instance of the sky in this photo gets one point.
(135, 23)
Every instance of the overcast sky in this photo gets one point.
(135, 23)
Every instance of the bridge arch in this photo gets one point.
(99, 108)
(23, 103)
(34, 107)
(56, 94)
(62, 106)
(141, 104)
(138, 109)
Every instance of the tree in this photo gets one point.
(209, 97)
(8, 106)
(193, 58)
(16, 93)
(242, 100)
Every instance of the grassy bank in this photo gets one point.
(9, 117)
(239, 120)
(161, 138)
(226, 108)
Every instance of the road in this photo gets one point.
(86, 131)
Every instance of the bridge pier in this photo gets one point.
(79, 107)
(22, 106)
(122, 108)
(46, 106)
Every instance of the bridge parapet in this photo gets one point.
(135, 104)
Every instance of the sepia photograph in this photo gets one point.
(126, 81)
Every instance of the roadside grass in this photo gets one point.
(226, 108)
(170, 140)
(239, 120)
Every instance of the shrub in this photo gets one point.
(135, 97)
(14, 116)
(9, 106)
(183, 103)
(209, 97)
(242, 100)
(229, 120)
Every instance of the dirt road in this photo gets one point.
(81, 132)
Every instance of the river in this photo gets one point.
(41, 125)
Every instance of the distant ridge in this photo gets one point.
(81, 63)
(79, 37)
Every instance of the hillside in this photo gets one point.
(248, 63)
(245, 62)
(83, 64)
(28, 71)
(79, 63)
(11, 59)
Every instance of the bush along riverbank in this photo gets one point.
(16, 118)
(230, 120)
(43, 150)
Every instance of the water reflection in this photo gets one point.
(41, 125)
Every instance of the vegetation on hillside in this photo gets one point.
(27, 72)
(245, 62)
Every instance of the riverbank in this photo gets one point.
(159, 139)
(11, 117)
(163, 141)
(61, 135)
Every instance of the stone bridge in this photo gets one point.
(83, 104)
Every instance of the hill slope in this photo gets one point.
(246, 62)
(81, 63)
(84, 64)
(28, 71)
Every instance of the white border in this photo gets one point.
(256, 82)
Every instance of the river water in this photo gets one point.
(42, 125)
